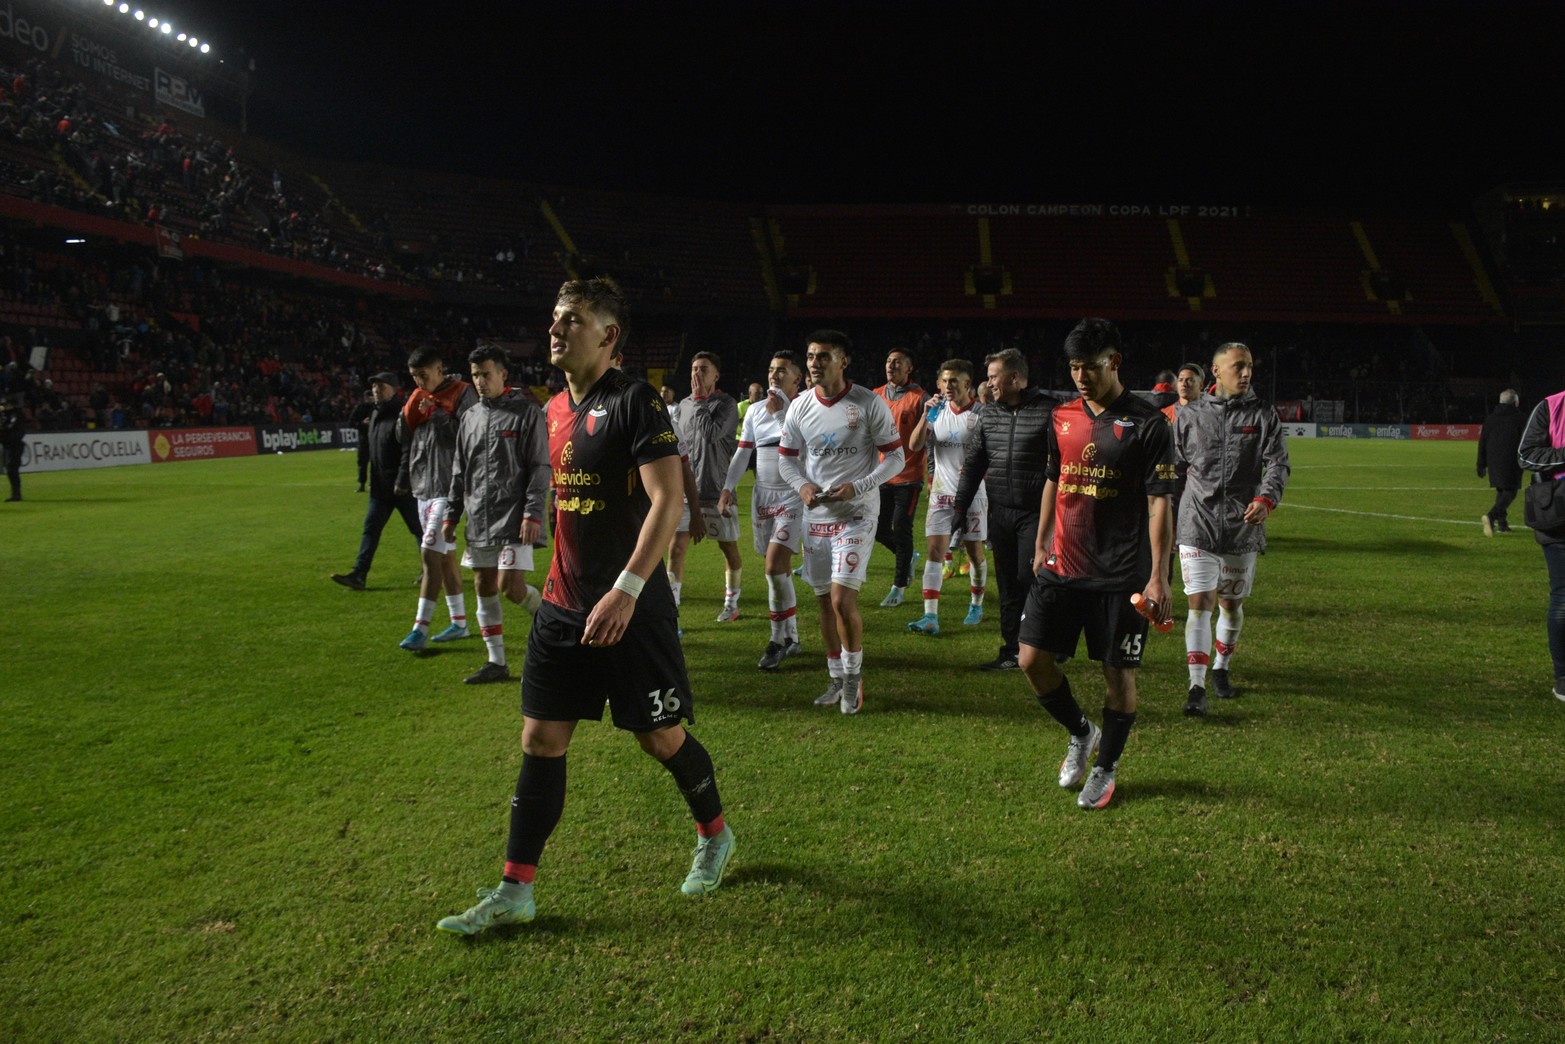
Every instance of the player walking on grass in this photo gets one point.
(1230, 447)
(1109, 473)
(607, 629)
(500, 478)
(430, 418)
(948, 427)
(828, 453)
(776, 512)
(708, 420)
(899, 494)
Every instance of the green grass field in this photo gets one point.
(234, 809)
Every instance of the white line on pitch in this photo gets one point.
(1404, 489)
(1378, 514)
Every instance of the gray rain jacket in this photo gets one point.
(500, 470)
(1235, 452)
(426, 449)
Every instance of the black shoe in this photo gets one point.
(1220, 685)
(1195, 706)
(772, 658)
(490, 672)
(13, 498)
(352, 581)
(1003, 662)
(1502, 527)
(361, 487)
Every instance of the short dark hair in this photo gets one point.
(490, 353)
(835, 338)
(1092, 338)
(607, 301)
(790, 357)
(424, 356)
(961, 366)
(1200, 373)
(1165, 377)
(1011, 359)
(711, 357)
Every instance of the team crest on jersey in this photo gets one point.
(1121, 425)
(853, 416)
(594, 415)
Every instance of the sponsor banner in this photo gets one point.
(201, 443)
(295, 437)
(1447, 432)
(171, 90)
(70, 450)
(1364, 431)
(1299, 430)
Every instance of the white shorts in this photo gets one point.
(720, 527)
(941, 515)
(837, 553)
(776, 517)
(1231, 576)
(518, 557)
(432, 515)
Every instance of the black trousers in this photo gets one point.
(894, 528)
(1013, 536)
(1502, 501)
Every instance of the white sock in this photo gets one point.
(853, 662)
(456, 605)
(834, 666)
(426, 613)
(1198, 639)
(933, 571)
(490, 619)
(731, 586)
(782, 604)
(675, 586)
(978, 579)
(1229, 624)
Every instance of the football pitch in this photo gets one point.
(235, 809)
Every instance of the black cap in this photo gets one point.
(386, 377)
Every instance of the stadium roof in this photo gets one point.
(1302, 103)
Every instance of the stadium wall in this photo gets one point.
(74, 450)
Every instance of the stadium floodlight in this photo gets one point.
(182, 37)
(124, 8)
(152, 23)
(166, 28)
(206, 48)
(108, 3)
(141, 16)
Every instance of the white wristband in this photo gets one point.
(630, 583)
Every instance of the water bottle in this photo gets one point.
(1149, 610)
(934, 411)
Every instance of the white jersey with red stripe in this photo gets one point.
(762, 432)
(831, 441)
(949, 436)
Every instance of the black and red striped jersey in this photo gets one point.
(1104, 467)
(596, 449)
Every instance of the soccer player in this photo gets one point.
(1109, 473)
(707, 422)
(1231, 447)
(776, 512)
(429, 419)
(1188, 384)
(1008, 457)
(500, 479)
(828, 450)
(380, 444)
(947, 427)
(606, 629)
(899, 494)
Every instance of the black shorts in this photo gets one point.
(1056, 616)
(642, 678)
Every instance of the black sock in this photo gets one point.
(691, 767)
(536, 808)
(1116, 730)
(1065, 710)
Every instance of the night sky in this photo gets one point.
(1300, 104)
